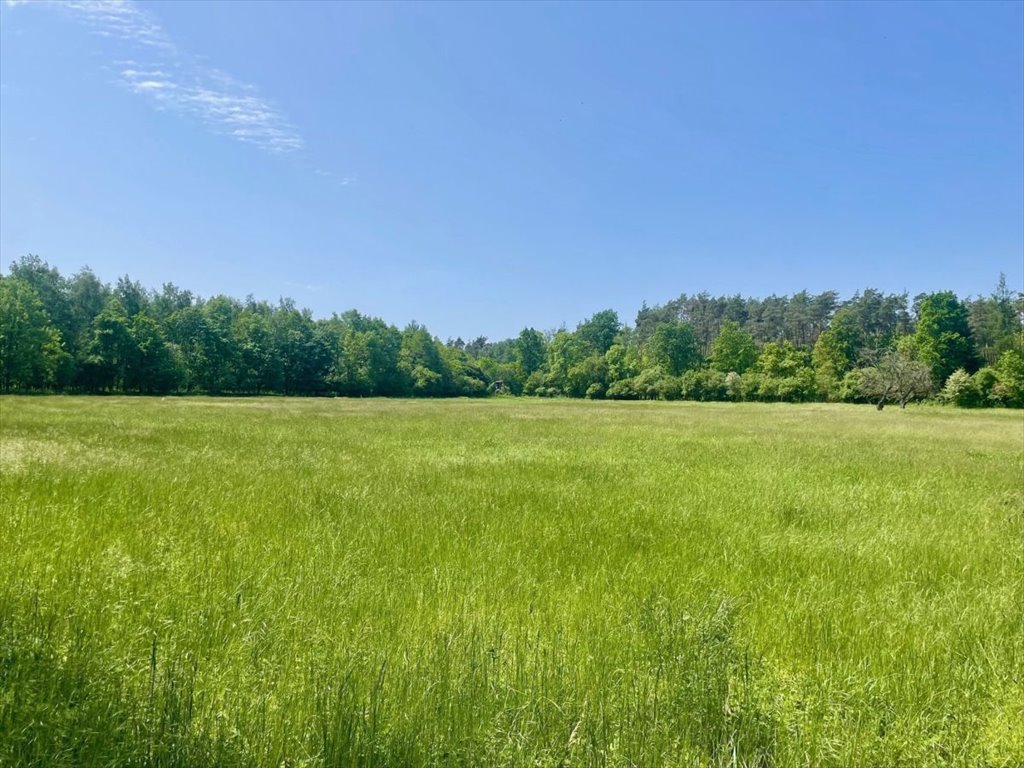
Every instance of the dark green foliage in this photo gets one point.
(994, 323)
(52, 291)
(90, 337)
(872, 320)
(133, 297)
(206, 349)
(733, 349)
(599, 332)
(623, 362)
(588, 378)
(422, 362)
(705, 385)
(838, 348)
(112, 350)
(1009, 389)
(565, 350)
(674, 347)
(530, 349)
(258, 368)
(304, 351)
(156, 367)
(943, 336)
(30, 346)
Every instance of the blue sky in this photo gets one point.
(481, 167)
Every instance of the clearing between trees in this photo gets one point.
(508, 582)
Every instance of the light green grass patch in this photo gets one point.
(192, 581)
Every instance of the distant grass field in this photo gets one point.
(205, 582)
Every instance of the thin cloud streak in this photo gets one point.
(234, 112)
(176, 82)
(121, 19)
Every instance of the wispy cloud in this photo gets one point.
(175, 81)
(121, 19)
(225, 107)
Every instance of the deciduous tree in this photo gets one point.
(30, 345)
(896, 377)
(733, 350)
(943, 335)
(674, 347)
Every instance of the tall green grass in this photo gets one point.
(204, 582)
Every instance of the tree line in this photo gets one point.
(78, 334)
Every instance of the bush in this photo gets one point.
(750, 385)
(648, 383)
(1009, 389)
(985, 382)
(704, 385)
(468, 386)
(623, 390)
(851, 388)
(983, 389)
(828, 385)
(534, 383)
(733, 385)
(959, 390)
(799, 388)
(669, 388)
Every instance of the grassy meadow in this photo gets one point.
(508, 582)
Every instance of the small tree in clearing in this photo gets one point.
(896, 377)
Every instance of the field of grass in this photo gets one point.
(204, 582)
